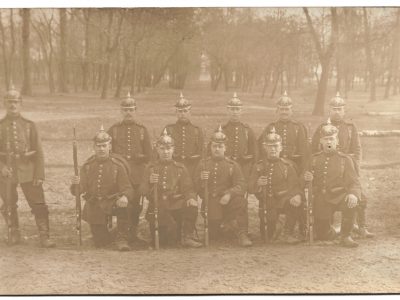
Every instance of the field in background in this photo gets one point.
(223, 268)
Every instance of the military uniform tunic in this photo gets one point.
(349, 141)
(241, 145)
(102, 182)
(225, 178)
(131, 140)
(294, 141)
(188, 141)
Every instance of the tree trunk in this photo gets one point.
(4, 52)
(26, 59)
(322, 88)
(63, 72)
(369, 58)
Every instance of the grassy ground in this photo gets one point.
(224, 267)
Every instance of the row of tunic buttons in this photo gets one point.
(214, 194)
(164, 181)
(183, 142)
(284, 148)
(236, 142)
(325, 174)
(14, 125)
(271, 170)
(99, 179)
(129, 143)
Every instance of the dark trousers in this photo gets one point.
(234, 215)
(102, 236)
(323, 227)
(291, 212)
(174, 222)
(35, 198)
(135, 208)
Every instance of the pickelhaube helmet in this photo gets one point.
(182, 103)
(272, 138)
(102, 136)
(328, 129)
(165, 139)
(337, 101)
(12, 94)
(284, 101)
(219, 136)
(234, 102)
(128, 102)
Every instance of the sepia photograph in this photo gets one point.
(199, 150)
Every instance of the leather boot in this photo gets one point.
(43, 226)
(244, 240)
(362, 227)
(348, 242)
(189, 240)
(135, 239)
(15, 236)
(121, 240)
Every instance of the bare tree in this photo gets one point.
(26, 59)
(63, 71)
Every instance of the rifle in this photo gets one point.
(263, 216)
(8, 194)
(156, 233)
(206, 236)
(309, 208)
(78, 208)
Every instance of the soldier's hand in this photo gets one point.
(154, 178)
(6, 172)
(75, 179)
(191, 202)
(351, 200)
(263, 180)
(37, 182)
(204, 175)
(295, 201)
(122, 202)
(308, 176)
(225, 199)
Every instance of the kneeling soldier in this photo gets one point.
(227, 207)
(177, 204)
(336, 187)
(275, 183)
(105, 186)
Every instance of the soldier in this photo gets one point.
(105, 185)
(188, 137)
(131, 140)
(336, 187)
(227, 206)
(294, 142)
(293, 134)
(279, 178)
(19, 139)
(177, 203)
(241, 145)
(349, 143)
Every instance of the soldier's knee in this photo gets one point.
(40, 209)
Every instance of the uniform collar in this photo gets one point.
(13, 117)
(216, 159)
(183, 122)
(128, 122)
(165, 162)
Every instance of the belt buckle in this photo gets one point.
(164, 197)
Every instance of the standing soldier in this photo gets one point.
(336, 187)
(241, 145)
(227, 206)
(19, 140)
(278, 177)
(188, 137)
(349, 143)
(177, 204)
(131, 140)
(105, 185)
(293, 134)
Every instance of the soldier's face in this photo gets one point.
(183, 114)
(12, 106)
(128, 113)
(102, 150)
(235, 113)
(165, 152)
(336, 113)
(329, 143)
(272, 150)
(284, 112)
(218, 149)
